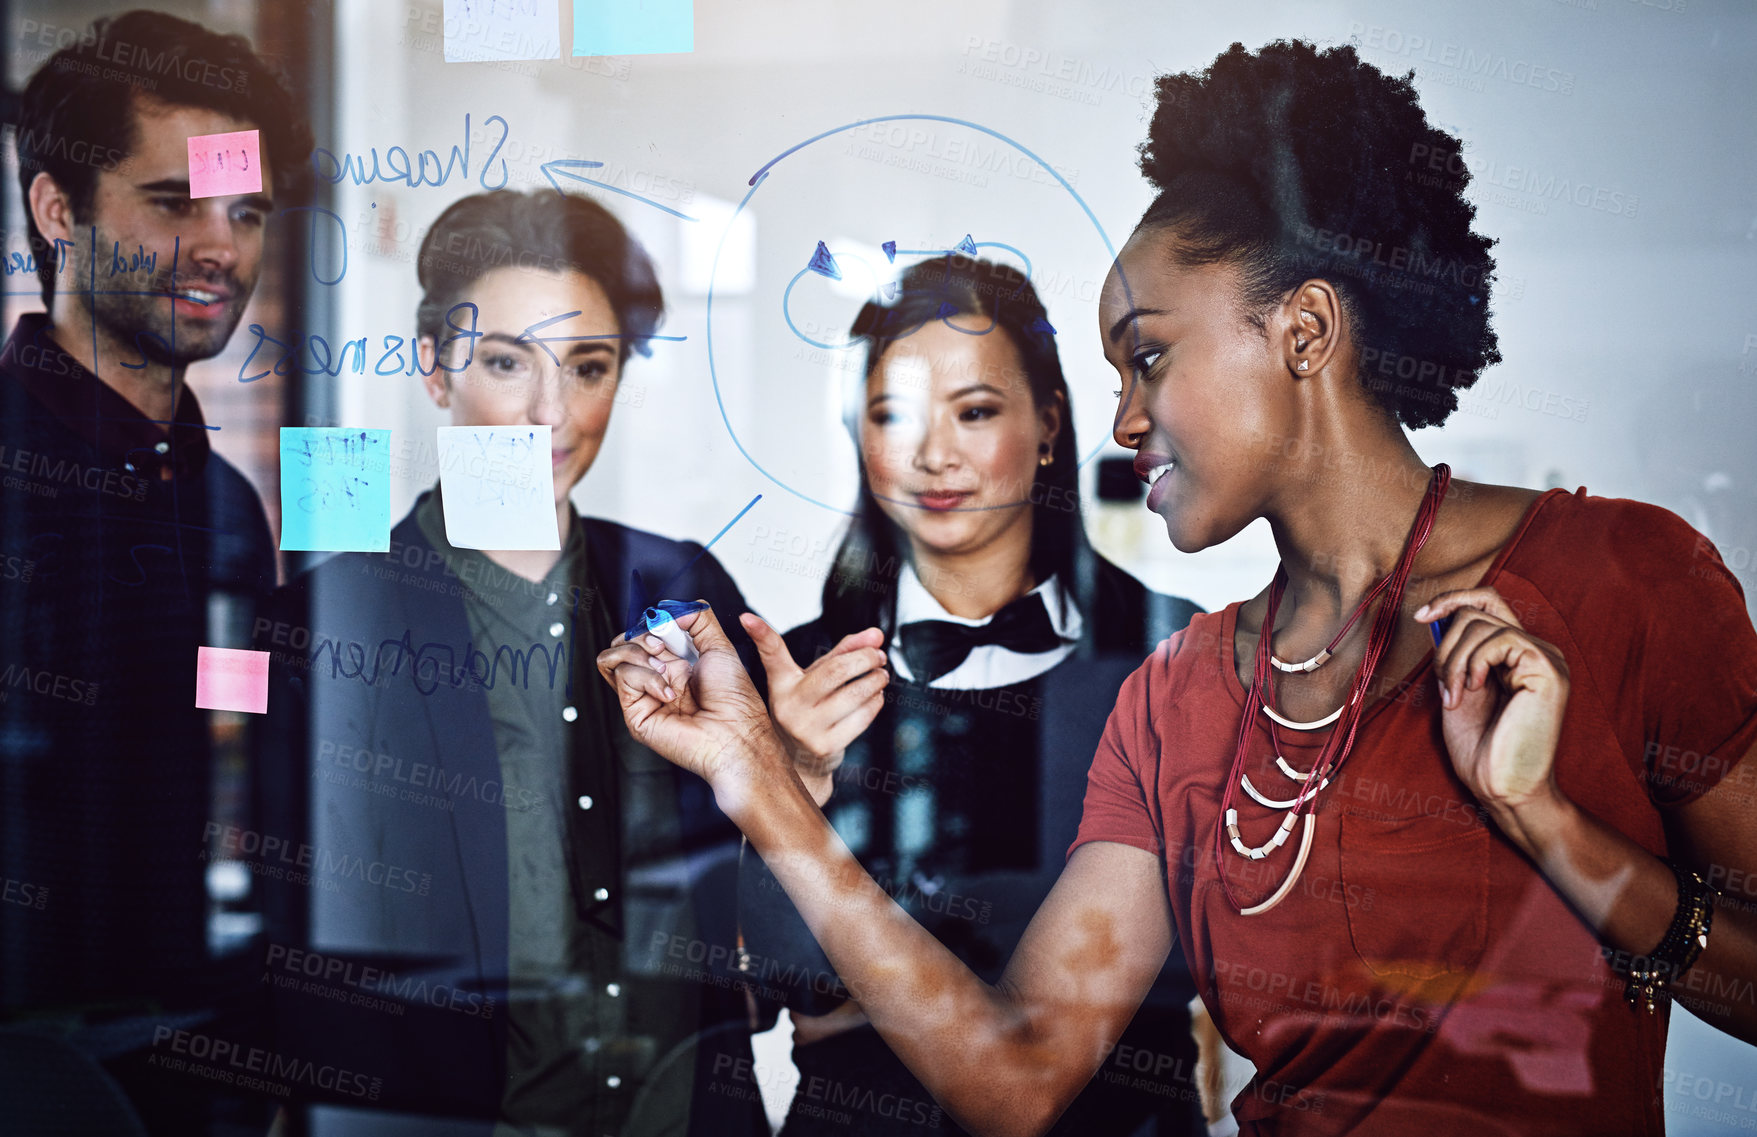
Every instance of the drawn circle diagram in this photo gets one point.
(787, 298)
(756, 183)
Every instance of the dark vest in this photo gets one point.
(962, 805)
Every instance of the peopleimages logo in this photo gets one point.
(1468, 63)
(223, 1060)
(325, 976)
(44, 682)
(300, 863)
(1083, 78)
(67, 472)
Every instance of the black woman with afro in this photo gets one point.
(1437, 817)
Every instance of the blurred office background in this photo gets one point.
(1614, 142)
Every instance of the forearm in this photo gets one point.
(1628, 897)
(982, 1055)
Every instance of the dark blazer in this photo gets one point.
(373, 658)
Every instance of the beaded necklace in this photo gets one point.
(1347, 717)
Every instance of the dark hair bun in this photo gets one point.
(1297, 163)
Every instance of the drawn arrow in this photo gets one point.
(566, 167)
(639, 599)
(528, 336)
(823, 263)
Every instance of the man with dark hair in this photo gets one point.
(135, 543)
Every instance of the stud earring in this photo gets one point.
(1302, 365)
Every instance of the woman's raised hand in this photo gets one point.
(1502, 694)
(818, 710)
(707, 719)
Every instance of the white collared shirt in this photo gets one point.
(988, 665)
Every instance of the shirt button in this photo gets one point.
(557, 628)
(601, 894)
(129, 466)
(585, 801)
(568, 714)
(553, 597)
(613, 989)
(613, 1081)
(162, 447)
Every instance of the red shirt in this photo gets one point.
(1422, 977)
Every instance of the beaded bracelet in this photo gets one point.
(1684, 941)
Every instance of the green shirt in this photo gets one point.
(567, 1007)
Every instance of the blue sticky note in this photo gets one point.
(633, 27)
(335, 489)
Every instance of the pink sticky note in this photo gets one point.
(227, 679)
(225, 164)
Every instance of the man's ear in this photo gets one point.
(437, 380)
(51, 208)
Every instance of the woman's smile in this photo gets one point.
(940, 500)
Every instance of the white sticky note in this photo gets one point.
(490, 30)
(497, 484)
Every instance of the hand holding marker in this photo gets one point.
(661, 620)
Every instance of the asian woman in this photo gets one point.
(955, 776)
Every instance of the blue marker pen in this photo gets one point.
(660, 623)
(1438, 629)
(660, 620)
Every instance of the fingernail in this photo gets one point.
(670, 694)
(655, 643)
(1421, 612)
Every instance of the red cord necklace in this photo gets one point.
(1341, 741)
(1323, 657)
